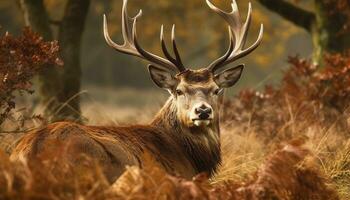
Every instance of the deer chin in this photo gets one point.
(201, 123)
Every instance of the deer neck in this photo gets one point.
(200, 146)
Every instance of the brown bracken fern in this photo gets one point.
(21, 58)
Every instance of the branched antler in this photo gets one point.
(131, 45)
(237, 30)
(238, 35)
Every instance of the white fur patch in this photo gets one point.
(201, 123)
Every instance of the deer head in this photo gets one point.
(197, 94)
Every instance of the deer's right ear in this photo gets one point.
(162, 78)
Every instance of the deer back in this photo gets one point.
(113, 147)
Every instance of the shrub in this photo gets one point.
(307, 95)
(21, 58)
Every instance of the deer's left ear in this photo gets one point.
(228, 77)
(162, 78)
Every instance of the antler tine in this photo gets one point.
(240, 32)
(222, 59)
(131, 45)
(177, 60)
(127, 23)
(176, 52)
(164, 48)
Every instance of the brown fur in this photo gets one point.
(179, 149)
(199, 76)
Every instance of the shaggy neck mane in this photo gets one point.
(201, 146)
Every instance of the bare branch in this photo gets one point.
(290, 12)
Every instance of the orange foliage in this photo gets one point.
(281, 177)
(306, 94)
(21, 58)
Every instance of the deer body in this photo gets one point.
(183, 138)
(179, 150)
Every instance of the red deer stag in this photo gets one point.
(184, 137)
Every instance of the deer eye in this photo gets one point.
(217, 91)
(179, 93)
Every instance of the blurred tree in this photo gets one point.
(328, 23)
(58, 88)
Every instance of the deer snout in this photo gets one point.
(202, 114)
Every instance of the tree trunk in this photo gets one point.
(35, 16)
(328, 33)
(59, 89)
(325, 25)
(70, 36)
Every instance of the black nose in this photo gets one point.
(203, 112)
(203, 116)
